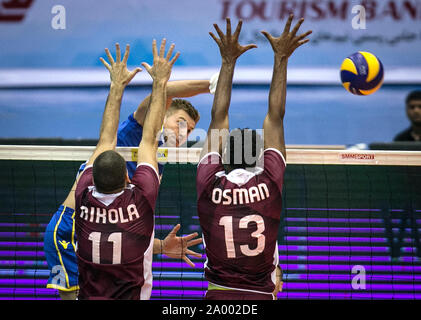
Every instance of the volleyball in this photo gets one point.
(362, 73)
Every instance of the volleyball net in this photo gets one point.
(350, 225)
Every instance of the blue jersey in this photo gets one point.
(129, 135)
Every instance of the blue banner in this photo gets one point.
(73, 34)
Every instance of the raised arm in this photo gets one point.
(230, 51)
(283, 47)
(175, 89)
(120, 78)
(160, 73)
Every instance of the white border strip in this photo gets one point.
(21, 78)
(191, 155)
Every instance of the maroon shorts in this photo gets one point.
(236, 295)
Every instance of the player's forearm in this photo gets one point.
(111, 115)
(70, 199)
(186, 88)
(277, 93)
(222, 99)
(175, 89)
(219, 125)
(156, 112)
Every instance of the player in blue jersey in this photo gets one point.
(59, 240)
(180, 119)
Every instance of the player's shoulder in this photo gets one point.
(131, 121)
(212, 157)
(145, 170)
(85, 174)
(129, 132)
(85, 182)
(208, 166)
(273, 154)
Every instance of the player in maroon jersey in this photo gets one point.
(114, 215)
(239, 197)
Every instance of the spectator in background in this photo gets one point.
(413, 111)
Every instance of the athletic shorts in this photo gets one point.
(60, 250)
(236, 295)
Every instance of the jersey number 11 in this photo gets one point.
(115, 238)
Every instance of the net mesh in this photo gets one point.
(347, 231)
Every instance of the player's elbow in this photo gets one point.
(273, 121)
(219, 116)
(275, 114)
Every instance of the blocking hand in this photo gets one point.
(118, 69)
(286, 44)
(228, 43)
(161, 69)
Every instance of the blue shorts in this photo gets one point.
(60, 250)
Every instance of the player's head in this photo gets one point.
(413, 107)
(109, 172)
(243, 148)
(180, 120)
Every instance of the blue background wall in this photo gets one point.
(316, 114)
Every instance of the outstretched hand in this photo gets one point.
(118, 69)
(161, 69)
(228, 43)
(178, 247)
(286, 44)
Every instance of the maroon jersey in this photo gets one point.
(115, 235)
(239, 214)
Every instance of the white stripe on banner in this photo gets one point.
(21, 78)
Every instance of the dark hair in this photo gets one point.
(181, 104)
(414, 95)
(109, 172)
(243, 149)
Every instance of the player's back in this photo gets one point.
(239, 214)
(115, 237)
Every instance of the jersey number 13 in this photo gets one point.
(227, 223)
